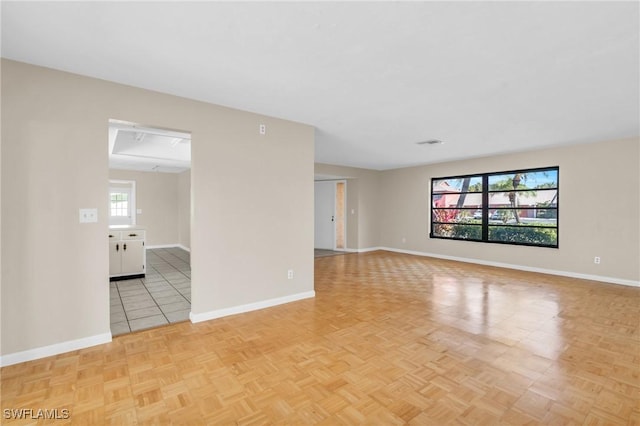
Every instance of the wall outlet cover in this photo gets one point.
(88, 215)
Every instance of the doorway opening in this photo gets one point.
(330, 216)
(149, 226)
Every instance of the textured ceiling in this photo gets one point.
(373, 78)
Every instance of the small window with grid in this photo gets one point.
(119, 204)
(122, 202)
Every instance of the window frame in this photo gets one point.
(486, 208)
(123, 186)
(127, 200)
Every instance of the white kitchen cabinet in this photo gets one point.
(127, 256)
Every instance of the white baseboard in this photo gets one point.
(55, 349)
(364, 250)
(219, 313)
(180, 246)
(610, 280)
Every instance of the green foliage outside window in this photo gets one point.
(518, 207)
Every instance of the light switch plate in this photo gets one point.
(88, 215)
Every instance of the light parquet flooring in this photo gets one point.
(389, 339)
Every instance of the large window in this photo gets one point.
(516, 207)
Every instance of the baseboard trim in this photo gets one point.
(125, 277)
(219, 313)
(363, 250)
(159, 246)
(55, 349)
(609, 280)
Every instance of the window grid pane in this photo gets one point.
(119, 204)
(517, 207)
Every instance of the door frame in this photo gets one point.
(112, 123)
(335, 213)
(344, 216)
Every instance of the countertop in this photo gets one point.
(126, 228)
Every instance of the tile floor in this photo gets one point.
(163, 296)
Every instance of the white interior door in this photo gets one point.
(325, 210)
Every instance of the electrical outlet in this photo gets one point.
(290, 274)
(596, 260)
(263, 129)
(404, 240)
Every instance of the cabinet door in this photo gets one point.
(115, 257)
(132, 257)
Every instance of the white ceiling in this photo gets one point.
(373, 78)
(136, 147)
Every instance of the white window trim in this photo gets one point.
(132, 201)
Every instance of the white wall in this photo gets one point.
(1, 316)
(363, 229)
(252, 206)
(599, 210)
(252, 198)
(184, 209)
(598, 201)
(158, 196)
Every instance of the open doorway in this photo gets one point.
(150, 212)
(330, 220)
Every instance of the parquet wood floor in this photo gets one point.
(389, 339)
